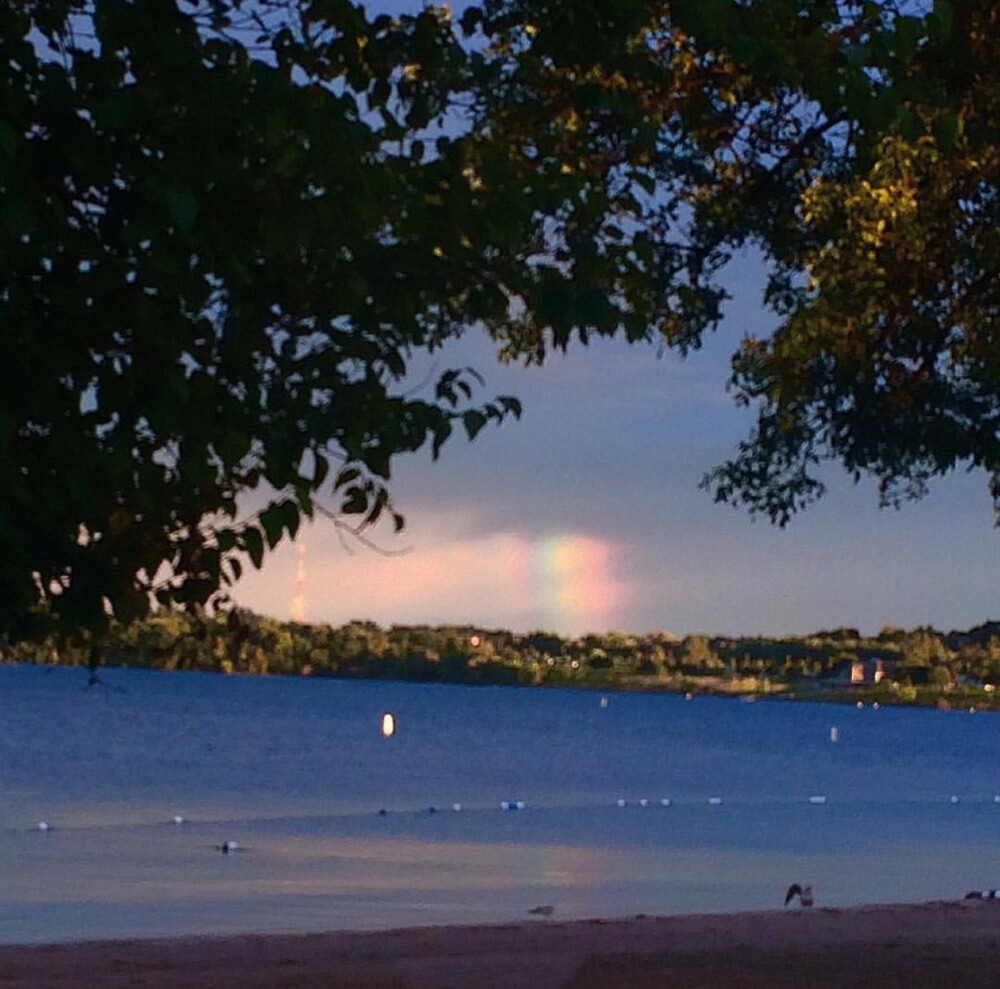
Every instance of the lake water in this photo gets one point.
(297, 771)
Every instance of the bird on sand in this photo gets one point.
(546, 910)
(804, 893)
(984, 894)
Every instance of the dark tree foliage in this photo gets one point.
(221, 246)
(855, 144)
(887, 357)
(227, 229)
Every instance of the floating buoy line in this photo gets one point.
(45, 826)
(625, 803)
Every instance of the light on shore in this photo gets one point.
(388, 725)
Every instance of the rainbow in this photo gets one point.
(565, 581)
(562, 582)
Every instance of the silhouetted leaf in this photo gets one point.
(253, 543)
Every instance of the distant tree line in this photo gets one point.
(919, 665)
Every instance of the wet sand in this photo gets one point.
(919, 946)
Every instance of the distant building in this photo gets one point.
(859, 672)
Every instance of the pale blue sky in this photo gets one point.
(586, 515)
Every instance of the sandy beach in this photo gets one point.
(940, 944)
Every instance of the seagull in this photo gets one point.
(986, 894)
(546, 910)
(804, 893)
(228, 847)
(43, 826)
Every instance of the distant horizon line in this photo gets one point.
(540, 630)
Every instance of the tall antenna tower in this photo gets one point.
(299, 600)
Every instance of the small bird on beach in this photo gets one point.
(984, 894)
(546, 910)
(229, 847)
(804, 893)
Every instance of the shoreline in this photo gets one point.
(689, 687)
(920, 946)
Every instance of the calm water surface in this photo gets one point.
(297, 771)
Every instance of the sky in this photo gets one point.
(586, 516)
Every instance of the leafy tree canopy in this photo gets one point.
(221, 245)
(887, 357)
(226, 228)
(854, 143)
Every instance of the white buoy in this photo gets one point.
(456, 807)
(604, 702)
(860, 705)
(818, 799)
(665, 801)
(643, 802)
(519, 805)
(996, 798)
(834, 734)
(954, 799)
(178, 819)
(43, 826)
(715, 801)
(875, 706)
(621, 802)
(388, 725)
